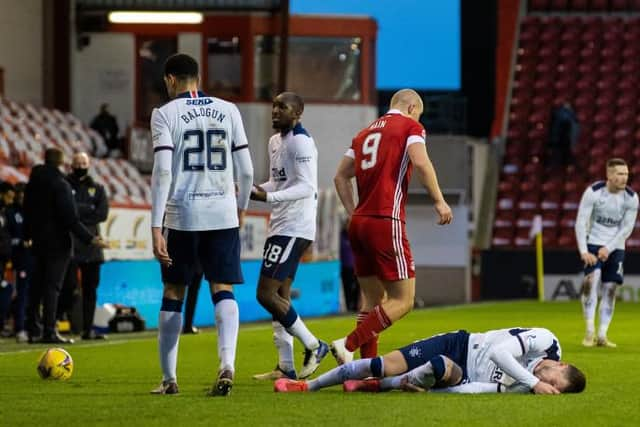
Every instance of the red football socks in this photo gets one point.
(374, 323)
(369, 349)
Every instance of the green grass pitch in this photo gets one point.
(111, 381)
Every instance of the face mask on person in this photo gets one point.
(80, 172)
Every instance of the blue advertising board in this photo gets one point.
(138, 284)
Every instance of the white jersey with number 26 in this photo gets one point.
(203, 132)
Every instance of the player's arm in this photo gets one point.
(242, 165)
(304, 164)
(427, 175)
(345, 173)
(626, 226)
(504, 356)
(584, 214)
(473, 388)
(160, 181)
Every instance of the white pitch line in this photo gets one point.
(116, 342)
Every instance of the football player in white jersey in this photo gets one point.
(606, 217)
(292, 191)
(504, 360)
(200, 152)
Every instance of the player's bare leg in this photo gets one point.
(589, 300)
(281, 309)
(607, 306)
(227, 325)
(169, 327)
(284, 344)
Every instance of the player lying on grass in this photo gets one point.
(511, 360)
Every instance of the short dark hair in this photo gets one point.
(53, 156)
(616, 161)
(294, 100)
(181, 66)
(576, 379)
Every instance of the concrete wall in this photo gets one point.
(104, 71)
(21, 49)
(332, 127)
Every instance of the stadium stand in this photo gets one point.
(591, 59)
(26, 130)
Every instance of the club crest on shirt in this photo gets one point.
(92, 191)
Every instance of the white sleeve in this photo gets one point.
(303, 187)
(626, 226)
(584, 214)
(472, 388)
(268, 186)
(161, 173)
(242, 165)
(504, 356)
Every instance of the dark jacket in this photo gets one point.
(93, 208)
(20, 256)
(50, 213)
(5, 237)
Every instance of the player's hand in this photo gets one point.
(603, 254)
(545, 388)
(160, 247)
(99, 242)
(258, 193)
(27, 243)
(589, 259)
(444, 211)
(241, 215)
(405, 385)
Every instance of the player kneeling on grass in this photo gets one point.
(505, 360)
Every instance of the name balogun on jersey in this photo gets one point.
(202, 111)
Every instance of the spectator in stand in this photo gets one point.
(21, 260)
(564, 130)
(106, 125)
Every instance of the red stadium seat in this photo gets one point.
(567, 238)
(504, 219)
(538, 5)
(559, 5)
(503, 237)
(595, 5)
(634, 5)
(619, 5)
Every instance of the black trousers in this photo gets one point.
(48, 274)
(350, 287)
(89, 281)
(193, 289)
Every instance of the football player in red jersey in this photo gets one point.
(381, 158)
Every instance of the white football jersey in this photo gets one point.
(202, 131)
(527, 346)
(292, 188)
(605, 218)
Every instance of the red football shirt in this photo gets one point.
(382, 164)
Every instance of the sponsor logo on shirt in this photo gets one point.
(607, 221)
(203, 101)
(278, 174)
(205, 195)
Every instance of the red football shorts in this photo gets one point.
(381, 248)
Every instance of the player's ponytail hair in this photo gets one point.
(577, 380)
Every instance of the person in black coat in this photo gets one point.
(7, 194)
(93, 208)
(21, 261)
(50, 218)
